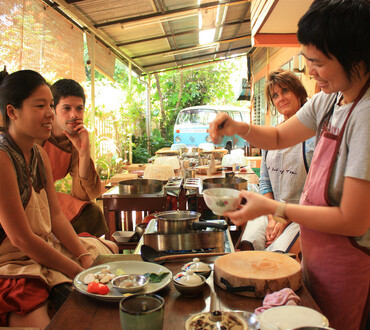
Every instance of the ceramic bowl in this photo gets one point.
(221, 200)
(187, 287)
(198, 267)
(130, 283)
(123, 236)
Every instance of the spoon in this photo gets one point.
(152, 255)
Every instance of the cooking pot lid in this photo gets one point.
(215, 320)
(177, 215)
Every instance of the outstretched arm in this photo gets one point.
(350, 218)
(61, 227)
(285, 135)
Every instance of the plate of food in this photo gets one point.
(96, 281)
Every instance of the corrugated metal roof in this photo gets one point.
(164, 34)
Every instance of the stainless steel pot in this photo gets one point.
(140, 187)
(177, 222)
(228, 182)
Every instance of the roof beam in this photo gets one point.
(73, 1)
(168, 15)
(178, 34)
(198, 56)
(194, 65)
(194, 48)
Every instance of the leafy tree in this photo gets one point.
(180, 89)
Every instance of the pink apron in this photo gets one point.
(60, 161)
(336, 269)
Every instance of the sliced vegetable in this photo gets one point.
(120, 272)
(156, 278)
(97, 288)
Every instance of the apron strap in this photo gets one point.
(304, 156)
(339, 137)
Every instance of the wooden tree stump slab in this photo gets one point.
(256, 273)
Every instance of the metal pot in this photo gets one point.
(228, 182)
(177, 222)
(140, 187)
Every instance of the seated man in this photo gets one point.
(69, 151)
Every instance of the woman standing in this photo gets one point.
(334, 215)
(38, 246)
(283, 172)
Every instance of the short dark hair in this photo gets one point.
(15, 88)
(66, 87)
(339, 28)
(284, 79)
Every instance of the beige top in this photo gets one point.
(15, 263)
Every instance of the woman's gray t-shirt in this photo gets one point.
(353, 159)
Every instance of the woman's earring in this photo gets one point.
(273, 110)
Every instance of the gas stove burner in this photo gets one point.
(190, 251)
(188, 242)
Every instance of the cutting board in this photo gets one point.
(256, 273)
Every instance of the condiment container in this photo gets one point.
(198, 267)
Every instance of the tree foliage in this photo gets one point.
(178, 89)
(200, 86)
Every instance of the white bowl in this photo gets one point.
(123, 236)
(221, 200)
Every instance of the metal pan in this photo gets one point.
(177, 222)
(227, 182)
(140, 187)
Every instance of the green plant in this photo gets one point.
(64, 185)
(144, 147)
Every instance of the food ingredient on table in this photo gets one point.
(120, 272)
(97, 288)
(156, 278)
(128, 284)
(103, 276)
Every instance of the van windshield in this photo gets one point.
(196, 116)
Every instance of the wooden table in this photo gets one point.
(82, 312)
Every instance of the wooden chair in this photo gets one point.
(115, 206)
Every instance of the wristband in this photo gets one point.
(249, 130)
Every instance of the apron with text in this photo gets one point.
(60, 161)
(336, 269)
(287, 173)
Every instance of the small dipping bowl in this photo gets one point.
(221, 200)
(130, 283)
(189, 284)
(198, 267)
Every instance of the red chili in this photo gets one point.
(98, 288)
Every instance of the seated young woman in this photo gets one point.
(38, 247)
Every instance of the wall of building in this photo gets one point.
(265, 60)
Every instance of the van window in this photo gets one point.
(195, 117)
(236, 116)
(191, 127)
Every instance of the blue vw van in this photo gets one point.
(191, 127)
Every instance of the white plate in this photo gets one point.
(129, 267)
(291, 317)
